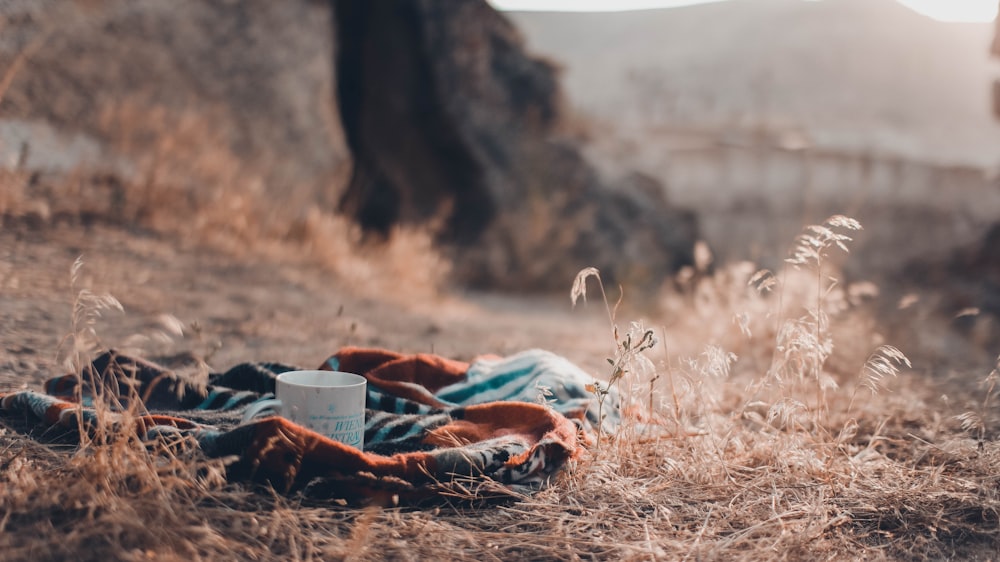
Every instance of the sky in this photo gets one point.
(943, 10)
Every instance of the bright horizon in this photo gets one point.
(941, 10)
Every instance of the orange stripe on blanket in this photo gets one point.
(362, 359)
(533, 422)
(413, 377)
(288, 456)
(64, 386)
(53, 414)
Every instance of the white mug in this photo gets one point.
(331, 403)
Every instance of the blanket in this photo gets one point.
(432, 425)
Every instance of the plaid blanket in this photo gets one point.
(432, 426)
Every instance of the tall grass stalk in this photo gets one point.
(628, 348)
(973, 421)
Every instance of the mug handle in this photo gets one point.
(255, 409)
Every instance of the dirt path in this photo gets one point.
(237, 309)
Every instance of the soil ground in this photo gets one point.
(246, 308)
(738, 465)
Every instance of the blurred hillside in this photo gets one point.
(764, 115)
(854, 75)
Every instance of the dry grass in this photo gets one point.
(767, 423)
(770, 422)
(188, 185)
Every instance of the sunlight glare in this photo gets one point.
(942, 10)
(591, 5)
(955, 10)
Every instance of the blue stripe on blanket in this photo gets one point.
(238, 399)
(531, 376)
(383, 401)
(487, 385)
(207, 402)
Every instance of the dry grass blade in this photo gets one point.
(717, 362)
(763, 281)
(579, 289)
(884, 362)
(810, 247)
(742, 320)
(972, 423)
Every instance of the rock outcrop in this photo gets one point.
(254, 74)
(449, 120)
